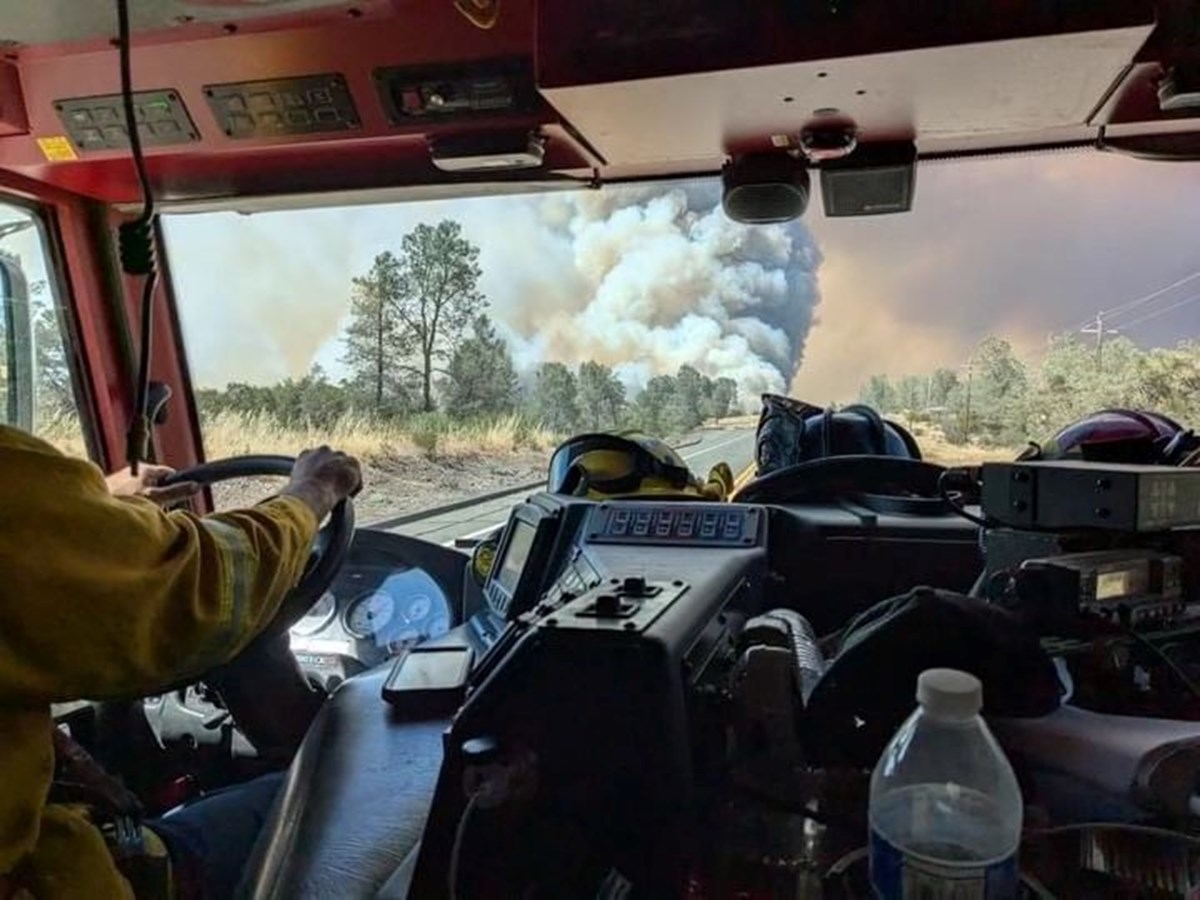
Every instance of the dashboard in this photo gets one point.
(596, 665)
(385, 599)
(621, 656)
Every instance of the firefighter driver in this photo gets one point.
(105, 594)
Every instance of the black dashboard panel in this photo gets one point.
(596, 683)
(602, 672)
(837, 559)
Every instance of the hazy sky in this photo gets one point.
(1020, 247)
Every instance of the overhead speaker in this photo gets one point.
(763, 188)
(874, 180)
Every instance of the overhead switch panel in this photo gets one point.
(311, 104)
(98, 123)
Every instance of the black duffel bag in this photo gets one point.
(869, 687)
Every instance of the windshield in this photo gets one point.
(453, 343)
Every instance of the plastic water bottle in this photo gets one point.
(945, 808)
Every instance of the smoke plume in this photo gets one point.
(259, 296)
(650, 278)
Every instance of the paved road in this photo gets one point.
(702, 451)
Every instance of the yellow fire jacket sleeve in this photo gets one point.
(107, 596)
(102, 597)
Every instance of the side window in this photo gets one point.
(35, 359)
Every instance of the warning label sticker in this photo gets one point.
(57, 148)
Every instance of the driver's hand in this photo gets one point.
(145, 484)
(322, 477)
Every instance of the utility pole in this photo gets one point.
(1097, 328)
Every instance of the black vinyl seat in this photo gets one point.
(354, 801)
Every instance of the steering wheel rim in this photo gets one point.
(329, 549)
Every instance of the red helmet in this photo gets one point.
(1120, 436)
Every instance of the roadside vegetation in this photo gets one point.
(998, 401)
(427, 373)
(230, 433)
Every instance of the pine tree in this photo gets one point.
(481, 379)
(437, 299)
(601, 396)
(376, 339)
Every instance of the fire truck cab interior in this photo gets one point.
(556, 741)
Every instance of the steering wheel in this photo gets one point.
(263, 686)
(328, 551)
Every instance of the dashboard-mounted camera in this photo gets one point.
(764, 188)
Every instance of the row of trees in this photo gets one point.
(999, 399)
(593, 399)
(419, 339)
(483, 384)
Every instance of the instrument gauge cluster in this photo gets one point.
(374, 612)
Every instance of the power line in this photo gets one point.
(1162, 310)
(1134, 304)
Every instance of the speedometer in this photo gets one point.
(368, 615)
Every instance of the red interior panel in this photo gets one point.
(633, 89)
(610, 40)
(187, 59)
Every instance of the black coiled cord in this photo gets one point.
(136, 246)
(963, 480)
(135, 242)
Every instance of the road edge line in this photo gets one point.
(409, 518)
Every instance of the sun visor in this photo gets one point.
(628, 90)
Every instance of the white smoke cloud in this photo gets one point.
(650, 278)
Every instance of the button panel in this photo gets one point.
(98, 123)
(442, 94)
(312, 104)
(699, 524)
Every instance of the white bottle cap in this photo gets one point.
(949, 693)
